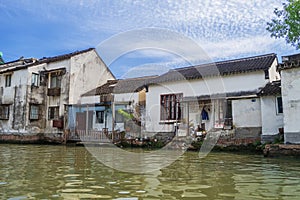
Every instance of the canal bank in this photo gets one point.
(224, 143)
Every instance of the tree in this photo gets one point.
(286, 24)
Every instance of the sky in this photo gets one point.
(145, 37)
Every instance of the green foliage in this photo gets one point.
(286, 24)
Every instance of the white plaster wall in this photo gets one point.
(273, 73)
(271, 120)
(212, 85)
(90, 99)
(87, 72)
(246, 113)
(126, 97)
(291, 99)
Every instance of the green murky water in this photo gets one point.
(59, 172)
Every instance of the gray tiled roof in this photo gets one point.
(289, 65)
(243, 65)
(129, 85)
(273, 88)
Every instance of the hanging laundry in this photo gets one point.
(204, 114)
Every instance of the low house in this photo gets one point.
(36, 94)
(271, 111)
(212, 97)
(290, 84)
(117, 105)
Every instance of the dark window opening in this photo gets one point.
(34, 112)
(100, 117)
(279, 105)
(53, 112)
(4, 112)
(8, 80)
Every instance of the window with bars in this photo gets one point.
(34, 112)
(170, 107)
(4, 112)
(53, 112)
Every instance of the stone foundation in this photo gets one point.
(281, 150)
(30, 139)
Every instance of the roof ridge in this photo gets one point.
(68, 54)
(226, 61)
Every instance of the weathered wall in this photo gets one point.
(15, 95)
(87, 72)
(291, 104)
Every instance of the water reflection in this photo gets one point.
(60, 172)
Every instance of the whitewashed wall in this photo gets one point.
(213, 85)
(291, 104)
(246, 113)
(271, 120)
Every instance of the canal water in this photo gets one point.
(62, 172)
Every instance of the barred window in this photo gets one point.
(53, 112)
(170, 107)
(4, 112)
(34, 112)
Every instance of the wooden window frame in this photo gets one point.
(53, 112)
(170, 108)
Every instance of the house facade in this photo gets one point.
(36, 94)
(211, 97)
(117, 105)
(290, 84)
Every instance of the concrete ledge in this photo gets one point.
(29, 139)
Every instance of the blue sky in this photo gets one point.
(223, 29)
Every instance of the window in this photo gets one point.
(53, 112)
(35, 79)
(4, 111)
(55, 80)
(279, 105)
(8, 80)
(170, 107)
(34, 112)
(100, 117)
